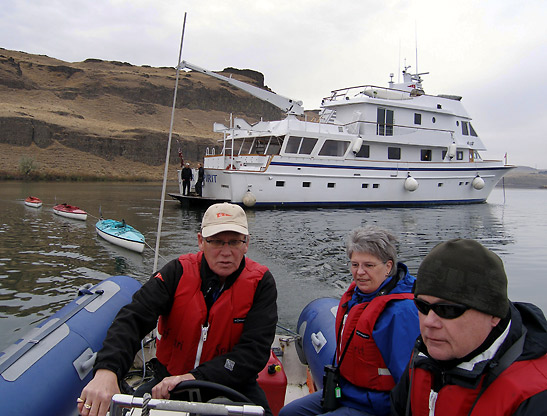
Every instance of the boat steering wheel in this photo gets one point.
(205, 391)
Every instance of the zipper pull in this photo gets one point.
(204, 330)
(202, 340)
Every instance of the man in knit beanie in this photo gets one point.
(478, 353)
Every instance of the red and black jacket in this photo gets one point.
(513, 382)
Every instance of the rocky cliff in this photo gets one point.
(112, 113)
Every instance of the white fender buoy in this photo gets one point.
(478, 183)
(249, 199)
(357, 145)
(452, 150)
(411, 184)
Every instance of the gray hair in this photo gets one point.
(373, 240)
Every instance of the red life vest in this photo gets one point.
(362, 363)
(520, 381)
(179, 332)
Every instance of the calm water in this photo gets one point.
(44, 258)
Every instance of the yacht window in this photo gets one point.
(330, 185)
(245, 148)
(275, 145)
(417, 118)
(465, 130)
(259, 146)
(394, 153)
(364, 185)
(472, 130)
(375, 185)
(306, 184)
(443, 154)
(334, 148)
(293, 145)
(433, 119)
(385, 122)
(280, 183)
(364, 151)
(459, 155)
(426, 155)
(307, 146)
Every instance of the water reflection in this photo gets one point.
(305, 248)
(45, 258)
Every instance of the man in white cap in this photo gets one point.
(217, 317)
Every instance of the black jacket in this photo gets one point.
(155, 298)
(521, 315)
(186, 173)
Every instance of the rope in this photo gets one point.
(145, 409)
(154, 251)
(288, 330)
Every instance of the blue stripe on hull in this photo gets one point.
(413, 169)
(369, 203)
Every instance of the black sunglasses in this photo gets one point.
(443, 310)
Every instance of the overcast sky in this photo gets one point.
(491, 52)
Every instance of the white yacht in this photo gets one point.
(375, 146)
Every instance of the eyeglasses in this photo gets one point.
(443, 310)
(367, 266)
(230, 243)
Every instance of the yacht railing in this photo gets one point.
(352, 92)
(370, 129)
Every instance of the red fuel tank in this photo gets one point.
(273, 381)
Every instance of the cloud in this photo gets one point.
(491, 53)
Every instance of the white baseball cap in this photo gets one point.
(224, 217)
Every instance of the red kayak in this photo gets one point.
(33, 202)
(70, 211)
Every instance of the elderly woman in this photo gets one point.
(376, 327)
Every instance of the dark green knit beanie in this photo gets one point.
(466, 272)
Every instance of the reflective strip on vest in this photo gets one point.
(202, 339)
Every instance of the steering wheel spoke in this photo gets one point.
(206, 391)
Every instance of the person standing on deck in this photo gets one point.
(201, 178)
(186, 176)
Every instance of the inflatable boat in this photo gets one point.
(317, 345)
(45, 371)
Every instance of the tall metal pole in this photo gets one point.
(162, 202)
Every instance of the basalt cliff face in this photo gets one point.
(97, 118)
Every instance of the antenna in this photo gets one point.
(399, 69)
(416, 41)
(162, 202)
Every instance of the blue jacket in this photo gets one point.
(395, 333)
